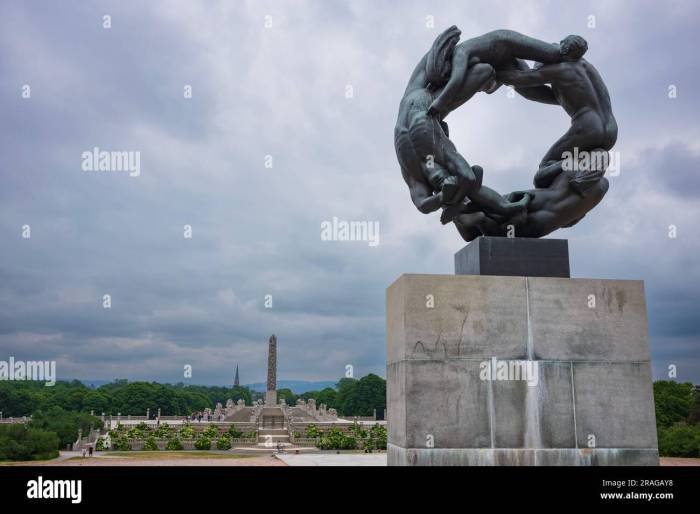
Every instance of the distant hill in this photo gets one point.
(297, 386)
(90, 383)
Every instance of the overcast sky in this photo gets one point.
(281, 91)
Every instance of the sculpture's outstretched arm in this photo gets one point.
(460, 64)
(534, 77)
(542, 94)
(423, 197)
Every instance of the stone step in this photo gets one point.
(274, 444)
(262, 450)
(274, 438)
(273, 431)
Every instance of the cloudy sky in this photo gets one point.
(270, 145)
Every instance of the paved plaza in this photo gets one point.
(332, 459)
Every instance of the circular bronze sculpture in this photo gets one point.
(569, 181)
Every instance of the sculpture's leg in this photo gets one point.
(586, 133)
(477, 79)
(470, 186)
(491, 201)
(473, 225)
(467, 229)
(548, 171)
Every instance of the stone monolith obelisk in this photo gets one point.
(271, 394)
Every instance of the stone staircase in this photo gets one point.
(272, 431)
(271, 437)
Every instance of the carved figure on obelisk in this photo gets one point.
(271, 394)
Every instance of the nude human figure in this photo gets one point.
(549, 209)
(500, 49)
(430, 163)
(580, 90)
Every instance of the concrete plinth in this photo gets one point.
(584, 392)
(519, 257)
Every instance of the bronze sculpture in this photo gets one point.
(439, 177)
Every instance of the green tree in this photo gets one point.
(121, 444)
(377, 437)
(239, 393)
(312, 431)
(234, 433)
(22, 442)
(65, 424)
(331, 440)
(211, 432)
(679, 441)
(335, 439)
(673, 401)
(287, 395)
(96, 401)
(694, 414)
(186, 431)
(327, 396)
(361, 397)
(203, 443)
(19, 400)
(174, 444)
(150, 444)
(223, 443)
(164, 431)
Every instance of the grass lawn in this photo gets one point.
(188, 454)
(24, 462)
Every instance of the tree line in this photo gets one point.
(60, 412)
(351, 397)
(677, 418)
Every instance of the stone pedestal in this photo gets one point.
(519, 257)
(589, 401)
(271, 398)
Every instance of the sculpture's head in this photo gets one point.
(438, 64)
(573, 47)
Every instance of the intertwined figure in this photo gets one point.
(438, 176)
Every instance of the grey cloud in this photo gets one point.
(256, 230)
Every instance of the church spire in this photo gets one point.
(236, 383)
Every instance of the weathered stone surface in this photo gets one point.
(615, 403)
(588, 383)
(519, 257)
(270, 397)
(566, 327)
(398, 456)
(396, 398)
(449, 407)
(550, 424)
(437, 316)
(556, 405)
